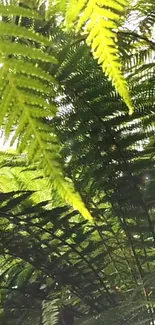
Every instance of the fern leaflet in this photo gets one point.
(10, 10)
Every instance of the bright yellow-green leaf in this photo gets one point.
(99, 20)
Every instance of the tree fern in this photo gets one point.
(107, 267)
(100, 20)
(26, 106)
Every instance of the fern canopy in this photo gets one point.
(69, 125)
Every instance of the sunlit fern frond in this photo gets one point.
(99, 20)
(17, 174)
(50, 312)
(27, 106)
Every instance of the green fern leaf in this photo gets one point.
(50, 312)
(73, 11)
(10, 10)
(7, 48)
(30, 69)
(99, 19)
(67, 191)
(24, 107)
(29, 83)
(18, 31)
(7, 98)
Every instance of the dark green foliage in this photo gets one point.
(53, 262)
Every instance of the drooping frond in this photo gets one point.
(100, 19)
(27, 102)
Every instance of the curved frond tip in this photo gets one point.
(99, 21)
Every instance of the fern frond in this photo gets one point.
(24, 100)
(100, 21)
(50, 312)
(27, 105)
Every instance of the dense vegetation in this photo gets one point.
(77, 206)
